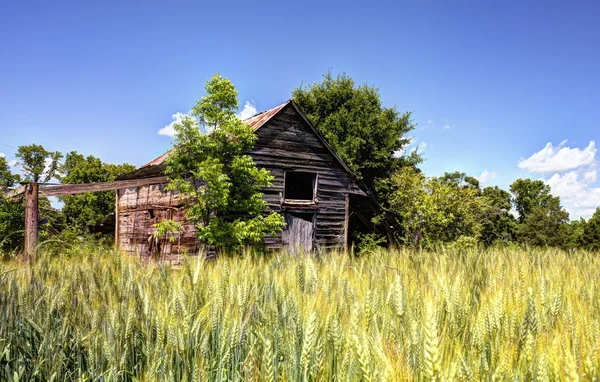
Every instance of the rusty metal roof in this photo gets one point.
(256, 121)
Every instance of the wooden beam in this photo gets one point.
(71, 189)
(31, 221)
(16, 192)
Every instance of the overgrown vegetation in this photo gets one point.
(220, 179)
(468, 315)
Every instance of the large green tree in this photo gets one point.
(591, 235)
(218, 176)
(529, 194)
(38, 164)
(370, 138)
(85, 210)
(545, 225)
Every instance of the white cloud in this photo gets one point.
(576, 192)
(169, 130)
(486, 175)
(2, 155)
(559, 158)
(248, 111)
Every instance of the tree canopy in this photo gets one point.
(370, 138)
(215, 171)
(39, 165)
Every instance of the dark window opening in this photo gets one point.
(151, 213)
(300, 186)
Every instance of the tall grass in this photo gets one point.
(494, 315)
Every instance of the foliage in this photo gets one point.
(7, 178)
(495, 315)
(166, 230)
(12, 223)
(529, 194)
(366, 135)
(39, 165)
(369, 243)
(435, 210)
(499, 225)
(83, 211)
(218, 176)
(591, 235)
(545, 225)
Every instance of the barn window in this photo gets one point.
(300, 186)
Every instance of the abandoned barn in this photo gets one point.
(315, 191)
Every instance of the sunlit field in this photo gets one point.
(493, 315)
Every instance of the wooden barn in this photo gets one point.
(315, 191)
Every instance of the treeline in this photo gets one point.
(79, 215)
(454, 209)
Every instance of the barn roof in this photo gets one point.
(256, 122)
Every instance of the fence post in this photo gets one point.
(31, 221)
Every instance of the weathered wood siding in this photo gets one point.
(285, 143)
(139, 208)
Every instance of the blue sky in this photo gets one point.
(489, 85)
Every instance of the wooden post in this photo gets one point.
(116, 219)
(31, 221)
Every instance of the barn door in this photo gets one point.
(298, 235)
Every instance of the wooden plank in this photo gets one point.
(71, 189)
(15, 192)
(31, 221)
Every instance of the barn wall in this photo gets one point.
(139, 209)
(285, 143)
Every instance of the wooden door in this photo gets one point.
(299, 233)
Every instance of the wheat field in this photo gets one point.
(502, 314)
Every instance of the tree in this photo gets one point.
(591, 234)
(7, 178)
(529, 194)
(367, 136)
(434, 210)
(499, 225)
(83, 211)
(218, 176)
(39, 165)
(575, 231)
(545, 225)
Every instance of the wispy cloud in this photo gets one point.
(432, 125)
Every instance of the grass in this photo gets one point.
(493, 315)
